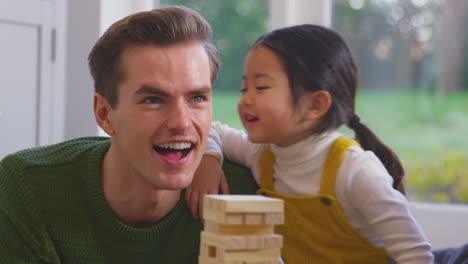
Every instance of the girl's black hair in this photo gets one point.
(317, 58)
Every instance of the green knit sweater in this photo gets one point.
(52, 210)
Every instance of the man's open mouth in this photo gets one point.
(174, 150)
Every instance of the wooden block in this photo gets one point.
(243, 203)
(223, 218)
(261, 242)
(270, 254)
(237, 242)
(254, 218)
(241, 230)
(264, 218)
(243, 218)
(274, 218)
(204, 250)
(207, 260)
(223, 254)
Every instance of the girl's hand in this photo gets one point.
(208, 179)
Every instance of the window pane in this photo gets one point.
(236, 25)
(413, 86)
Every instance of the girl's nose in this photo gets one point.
(246, 98)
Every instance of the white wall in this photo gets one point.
(57, 119)
(287, 13)
(445, 225)
(83, 29)
(113, 10)
(86, 21)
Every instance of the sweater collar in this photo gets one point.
(106, 215)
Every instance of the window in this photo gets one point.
(413, 76)
(413, 86)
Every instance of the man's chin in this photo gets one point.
(182, 182)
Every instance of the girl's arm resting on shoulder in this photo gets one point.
(209, 177)
(388, 213)
(231, 143)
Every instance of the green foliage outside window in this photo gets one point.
(401, 97)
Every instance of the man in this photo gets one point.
(120, 200)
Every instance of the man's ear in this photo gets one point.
(102, 114)
(316, 104)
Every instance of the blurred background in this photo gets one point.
(413, 61)
(412, 55)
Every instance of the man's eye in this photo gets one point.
(152, 100)
(243, 90)
(199, 98)
(262, 88)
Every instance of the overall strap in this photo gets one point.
(266, 169)
(332, 163)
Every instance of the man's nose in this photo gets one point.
(179, 116)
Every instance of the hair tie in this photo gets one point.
(354, 122)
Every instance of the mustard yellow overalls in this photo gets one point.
(315, 229)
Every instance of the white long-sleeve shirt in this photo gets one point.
(363, 187)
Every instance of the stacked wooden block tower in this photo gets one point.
(239, 229)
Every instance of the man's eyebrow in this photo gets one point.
(147, 89)
(204, 90)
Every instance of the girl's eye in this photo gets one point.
(152, 100)
(199, 99)
(262, 88)
(243, 90)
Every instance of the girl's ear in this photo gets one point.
(316, 104)
(102, 114)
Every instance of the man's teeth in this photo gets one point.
(180, 145)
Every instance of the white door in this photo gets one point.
(25, 72)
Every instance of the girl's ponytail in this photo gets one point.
(369, 141)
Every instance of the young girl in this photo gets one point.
(344, 201)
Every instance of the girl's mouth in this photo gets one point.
(250, 118)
